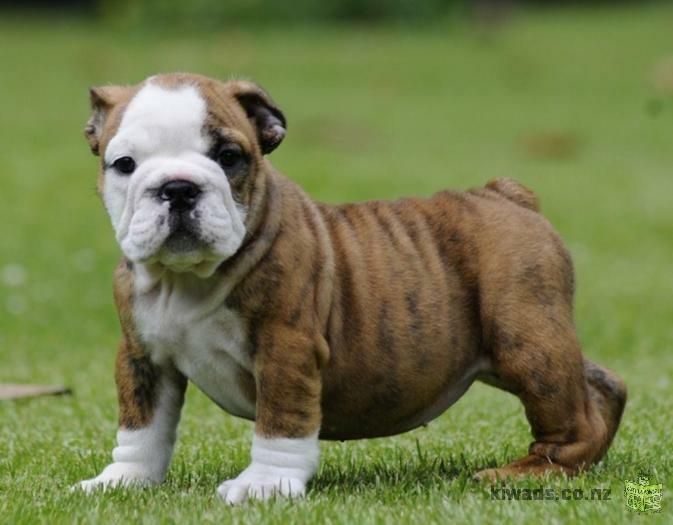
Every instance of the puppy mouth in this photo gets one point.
(184, 233)
(182, 240)
(184, 247)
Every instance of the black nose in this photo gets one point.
(181, 194)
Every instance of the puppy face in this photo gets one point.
(180, 164)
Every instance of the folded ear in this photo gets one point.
(267, 119)
(103, 99)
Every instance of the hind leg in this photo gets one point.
(573, 406)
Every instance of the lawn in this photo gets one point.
(578, 104)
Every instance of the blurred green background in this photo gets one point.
(383, 99)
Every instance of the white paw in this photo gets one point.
(253, 484)
(118, 475)
(279, 467)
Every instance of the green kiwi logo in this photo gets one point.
(642, 495)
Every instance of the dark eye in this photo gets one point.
(125, 165)
(229, 156)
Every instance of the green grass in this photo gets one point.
(372, 113)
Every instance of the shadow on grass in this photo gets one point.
(400, 473)
(396, 472)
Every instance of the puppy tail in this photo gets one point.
(517, 193)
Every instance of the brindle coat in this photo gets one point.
(369, 319)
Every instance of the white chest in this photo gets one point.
(209, 348)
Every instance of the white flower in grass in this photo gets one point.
(13, 275)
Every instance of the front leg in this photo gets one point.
(150, 399)
(285, 449)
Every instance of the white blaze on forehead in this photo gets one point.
(160, 120)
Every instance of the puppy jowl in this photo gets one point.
(316, 321)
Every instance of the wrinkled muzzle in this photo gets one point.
(178, 212)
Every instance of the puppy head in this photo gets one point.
(181, 164)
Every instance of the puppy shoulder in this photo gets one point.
(123, 292)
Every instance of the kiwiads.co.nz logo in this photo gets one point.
(643, 495)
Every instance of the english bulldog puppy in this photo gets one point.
(318, 321)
